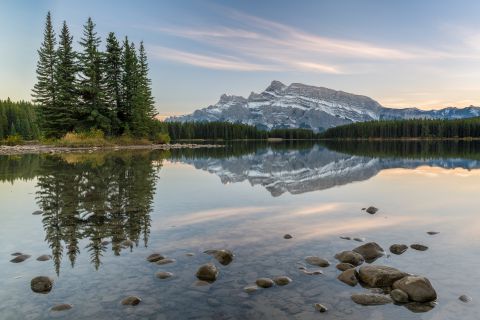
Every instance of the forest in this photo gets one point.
(18, 119)
(108, 91)
(412, 128)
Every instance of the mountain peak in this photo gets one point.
(276, 86)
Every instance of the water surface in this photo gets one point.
(243, 197)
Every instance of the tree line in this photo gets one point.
(93, 89)
(412, 128)
(18, 119)
(231, 131)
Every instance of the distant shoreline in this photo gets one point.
(41, 148)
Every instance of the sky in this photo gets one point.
(408, 53)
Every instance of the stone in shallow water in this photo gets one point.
(419, 307)
(282, 280)
(287, 236)
(223, 256)
(163, 274)
(370, 251)
(432, 233)
(207, 272)
(398, 248)
(37, 212)
(350, 257)
(465, 298)
(320, 307)
(165, 261)
(131, 301)
(154, 257)
(201, 283)
(16, 254)
(399, 296)
(348, 277)
(370, 299)
(20, 258)
(418, 289)
(44, 257)
(62, 307)
(41, 284)
(372, 210)
(189, 254)
(379, 276)
(359, 239)
(317, 261)
(342, 266)
(127, 243)
(419, 247)
(264, 282)
(311, 272)
(250, 288)
(345, 238)
(105, 243)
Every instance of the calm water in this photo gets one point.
(244, 198)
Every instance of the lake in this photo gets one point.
(244, 198)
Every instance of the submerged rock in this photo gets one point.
(372, 210)
(419, 247)
(345, 238)
(311, 272)
(419, 307)
(287, 236)
(350, 257)
(282, 280)
(380, 276)
(370, 251)
(16, 254)
(465, 298)
(317, 261)
(37, 212)
(264, 282)
(163, 274)
(127, 243)
(131, 301)
(418, 289)
(61, 307)
(250, 288)
(359, 239)
(349, 277)
(154, 257)
(398, 248)
(207, 272)
(44, 257)
(432, 233)
(41, 284)
(20, 258)
(370, 299)
(399, 296)
(165, 261)
(342, 266)
(223, 256)
(320, 307)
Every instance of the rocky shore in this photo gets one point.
(38, 148)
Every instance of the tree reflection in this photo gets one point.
(101, 198)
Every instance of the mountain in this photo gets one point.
(303, 106)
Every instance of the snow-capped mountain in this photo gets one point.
(303, 106)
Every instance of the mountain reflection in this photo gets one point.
(300, 170)
(102, 198)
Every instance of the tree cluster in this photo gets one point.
(92, 89)
(413, 128)
(18, 119)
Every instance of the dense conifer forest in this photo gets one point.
(18, 119)
(414, 128)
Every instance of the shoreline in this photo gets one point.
(40, 148)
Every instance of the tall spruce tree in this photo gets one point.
(65, 71)
(44, 91)
(113, 79)
(129, 84)
(91, 86)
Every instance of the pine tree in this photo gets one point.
(65, 71)
(94, 108)
(129, 84)
(113, 79)
(44, 91)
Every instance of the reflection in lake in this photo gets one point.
(104, 213)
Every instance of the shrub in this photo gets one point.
(13, 140)
(161, 138)
(91, 138)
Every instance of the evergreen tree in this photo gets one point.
(65, 71)
(94, 108)
(129, 84)
(113, 77)
(44, 91)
